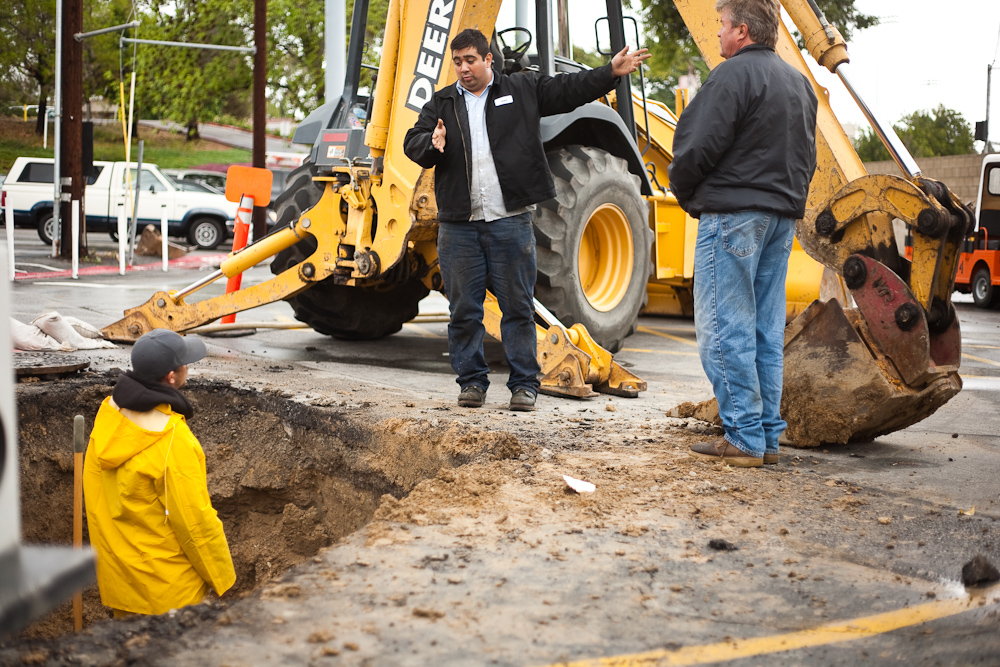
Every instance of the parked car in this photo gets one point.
(213, 179)
(205, 219)
(217, 180)
(193, 186)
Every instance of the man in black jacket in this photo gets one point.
(744, 153)
(482, 136)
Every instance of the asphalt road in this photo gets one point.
(951, 460)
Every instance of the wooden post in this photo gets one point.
(71, 141)
(78, 510)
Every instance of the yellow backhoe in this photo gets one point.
(355, 245)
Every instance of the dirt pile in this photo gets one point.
(287, 479)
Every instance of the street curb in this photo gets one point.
(192, 262)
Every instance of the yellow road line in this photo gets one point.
(859, 628)
(679, 354)
(981, 359)
(686, 341)
(984, 347)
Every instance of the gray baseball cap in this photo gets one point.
(161, 350)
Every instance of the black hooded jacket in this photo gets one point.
(513, 109)
(747, 141)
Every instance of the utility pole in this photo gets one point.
(71, 129)
(259, 105)
(562, 12)
(983, 127)
(989, 76)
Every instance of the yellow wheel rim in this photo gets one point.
(606, 257)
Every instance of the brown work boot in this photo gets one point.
(722, 450)
(472, 396)
(522, 400)
(771, 459)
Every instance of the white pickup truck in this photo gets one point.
(205, 219)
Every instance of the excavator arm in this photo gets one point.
(375, 223)
(573, 364)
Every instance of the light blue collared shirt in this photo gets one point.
(485, 193)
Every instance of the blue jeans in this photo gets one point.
(740, 264)
(504, 252)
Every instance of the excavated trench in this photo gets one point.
(287, 478)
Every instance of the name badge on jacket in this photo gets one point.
(506, 99)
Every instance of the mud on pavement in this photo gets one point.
(372, 532)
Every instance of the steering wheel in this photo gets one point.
(517, 53)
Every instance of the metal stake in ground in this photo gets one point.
(135, 206)
(78, 510)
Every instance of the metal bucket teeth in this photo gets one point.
(839, 388)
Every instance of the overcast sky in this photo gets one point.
(924, 53)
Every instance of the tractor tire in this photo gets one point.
(593, 244)
(984, 294)
(352, 313)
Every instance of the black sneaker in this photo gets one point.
(472, 396)
(522, 400)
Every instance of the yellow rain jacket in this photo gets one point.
(159, 541)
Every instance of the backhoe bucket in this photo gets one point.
(840, 388)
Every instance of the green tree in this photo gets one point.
(674, 52)
(27, 36)
(924, 133)
(102, 57)
(295, 55)
(188, 85)
(296, 51)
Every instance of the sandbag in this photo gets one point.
(85, 329)
(54, 325)
(30, 338)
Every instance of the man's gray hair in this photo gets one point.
(760, 16)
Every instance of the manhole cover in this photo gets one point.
(47, 363)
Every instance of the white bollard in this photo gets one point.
(75, 229)
(121, 239)
(9, 217)
(163, 235)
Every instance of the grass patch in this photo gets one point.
(164, 149)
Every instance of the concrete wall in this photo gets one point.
(958, 172)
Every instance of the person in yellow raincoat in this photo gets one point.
(159, 542)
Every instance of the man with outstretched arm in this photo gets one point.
(482, 137)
